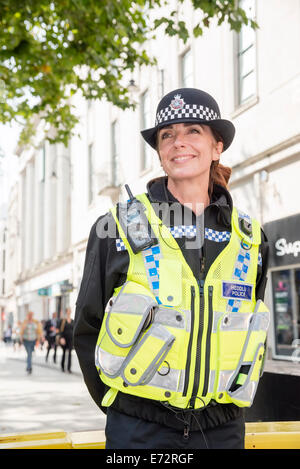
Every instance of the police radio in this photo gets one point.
(135, 224)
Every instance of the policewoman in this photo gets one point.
(170, 324)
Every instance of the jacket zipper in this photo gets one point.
(188, 361)
(208, 341)
(200, 332)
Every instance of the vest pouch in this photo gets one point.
(243, 383)
(147, 355)
(127, 315)
(130, 314)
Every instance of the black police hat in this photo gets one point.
(190, 105)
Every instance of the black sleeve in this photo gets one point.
(105, 269)
(262, 268)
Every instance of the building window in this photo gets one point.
(90, 173)
(246, 56)
(145, 124)
(186, 70)
(286, 303)
(115, 167)
(161, 83)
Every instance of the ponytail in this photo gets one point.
(219, 174)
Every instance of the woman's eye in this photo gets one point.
(194, 130)
(165, 135)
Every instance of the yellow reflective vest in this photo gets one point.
(170, 337)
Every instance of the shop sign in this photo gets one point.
(284, 241)
(46, 291)
(66, 287)
(283, 247)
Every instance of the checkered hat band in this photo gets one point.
(187, 111)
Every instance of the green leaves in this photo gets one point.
(50, 50)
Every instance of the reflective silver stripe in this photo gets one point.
(171, 317)
(231, 322)
(108, 363)
(235, 322)
(212, 379)
(246, 392)
(171, 380)
(224, 378)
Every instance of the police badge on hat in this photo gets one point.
(177, 103)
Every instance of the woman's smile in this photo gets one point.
(182, 158)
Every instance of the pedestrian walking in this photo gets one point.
(170, 324)
(31, 332)
(66, 340)
(8, 335)
(50, 328)
(16, 336)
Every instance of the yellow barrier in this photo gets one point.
(272, 435)
(260, 435)
(36, 440)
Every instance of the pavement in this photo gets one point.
(46, 400)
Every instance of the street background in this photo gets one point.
(46, 400)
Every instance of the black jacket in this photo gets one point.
(106, 268)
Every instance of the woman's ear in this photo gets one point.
(217, 150)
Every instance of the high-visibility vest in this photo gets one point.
(169, 337)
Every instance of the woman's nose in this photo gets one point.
(179, 140)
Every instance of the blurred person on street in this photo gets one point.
(170, 325)
(16, 336)
(66, 340)
(30, 334)
(50, 328)
(8, 335)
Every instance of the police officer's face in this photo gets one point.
(187, 150)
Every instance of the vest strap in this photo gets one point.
(109, 397)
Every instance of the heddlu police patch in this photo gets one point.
(238, 291)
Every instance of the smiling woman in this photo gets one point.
(177, 329)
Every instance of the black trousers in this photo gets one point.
(66, 350)
(126, 432)
(51, 344)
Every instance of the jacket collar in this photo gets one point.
(220, 206)
(158, 192)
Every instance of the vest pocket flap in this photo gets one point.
(170, 282)
(147, 355)
(128, 316)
